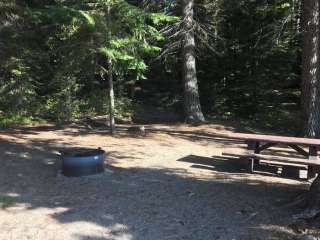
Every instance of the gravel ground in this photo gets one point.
(171, 184)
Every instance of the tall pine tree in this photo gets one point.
(191, 93)
(311, 67)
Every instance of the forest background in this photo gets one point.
(60, 59)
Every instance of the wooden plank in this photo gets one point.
(299, 150)
(276, 158)
(273, 162)
(265, 146)
(275, 139)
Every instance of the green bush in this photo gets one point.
(13, 119)
(62, 110)
(124, 109)
(6, 201)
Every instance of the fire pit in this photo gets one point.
(77, 162)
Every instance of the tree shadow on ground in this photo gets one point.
(134, 203)
(236, 165)
(194, 136)
(81, 129)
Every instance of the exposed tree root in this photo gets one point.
(309, 202)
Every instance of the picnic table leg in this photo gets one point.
(256, 150)
(252, 146)
(313, 155)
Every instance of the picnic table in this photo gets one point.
(306, 148)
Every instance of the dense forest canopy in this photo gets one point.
(243, 59)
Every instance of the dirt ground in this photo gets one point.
(171, 184)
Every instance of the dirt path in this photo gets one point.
(171, 184)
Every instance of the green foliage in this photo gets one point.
(97, 102)
(124, 110)
(6, 201)
(14, 119)
(160, 18)
(258, 64)
(127, 39)
(54, 56)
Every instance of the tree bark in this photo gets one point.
(192, 105)
(111, 98)
(310, 68)
(110, 81)
(310, 90)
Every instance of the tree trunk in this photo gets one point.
(310, 90)
(111, 98)
(192, 105)
(110, 80)
(310, 68)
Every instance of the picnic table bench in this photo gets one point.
(306, 148)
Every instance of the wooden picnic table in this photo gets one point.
(256, 144)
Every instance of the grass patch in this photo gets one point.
(13, 120)
(16, 119)
(6, 201)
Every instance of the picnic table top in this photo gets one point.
(276, 139)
